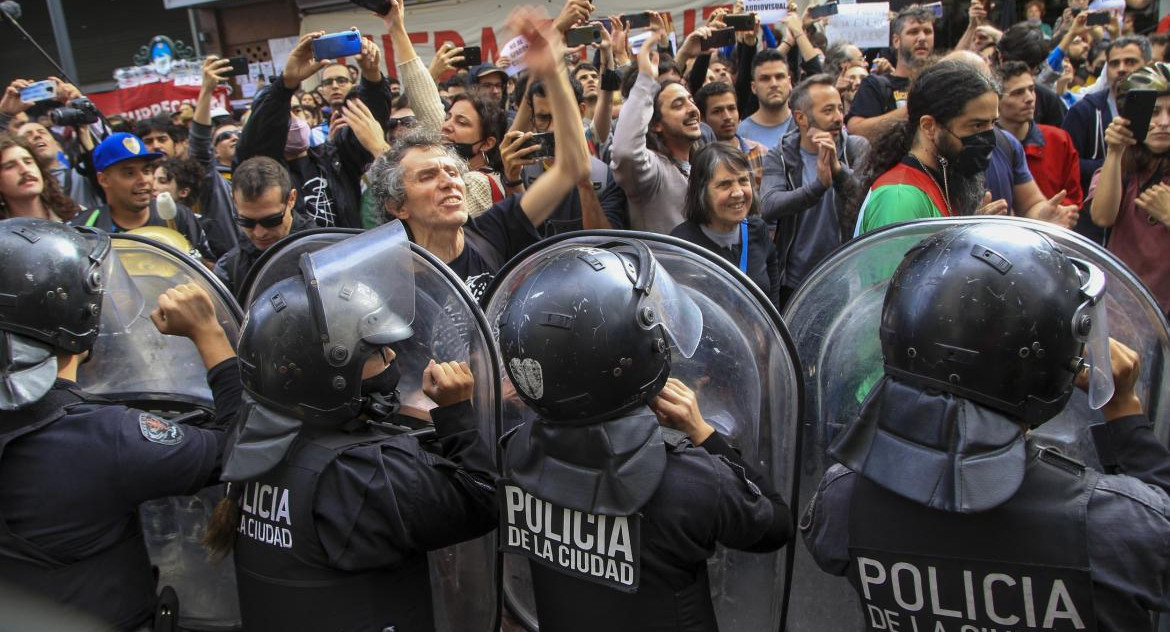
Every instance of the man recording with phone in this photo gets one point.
(327, 177)
(527, 150)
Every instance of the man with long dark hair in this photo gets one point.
(933, 164)
(652, 143)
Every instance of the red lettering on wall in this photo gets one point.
(489, 51)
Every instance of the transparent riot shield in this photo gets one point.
(448, 325)
(834, 317)
(138, 366)
(745, 374)
(280, 260)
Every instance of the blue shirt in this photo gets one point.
(1006, 171)
(768, 135)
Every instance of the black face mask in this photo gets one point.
(465, 150)
(975, 156)
(381, 394)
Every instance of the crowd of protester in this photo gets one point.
(770, 152)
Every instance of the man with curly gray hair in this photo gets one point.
(420, 181)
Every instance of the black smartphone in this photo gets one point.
(547, 142)
(582, 36)
(238, 66)
(1099, 18)
(1138, 110)
(471, 57)
(740, 21)
(822, 10)
(719, 38)
(637, 20)
(381, 7)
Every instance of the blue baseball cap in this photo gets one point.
(120, 147)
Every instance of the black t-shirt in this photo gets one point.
(315, 199)
(505, 227)
(879, 94)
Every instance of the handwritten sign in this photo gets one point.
(515, 50)
(864, 25)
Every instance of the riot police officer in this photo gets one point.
(75, 467)
(945, 512)
(336, 501)
(620, 489)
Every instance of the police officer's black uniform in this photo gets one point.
(617, 515)
(75, 467)
(336, 515)
(947, 516)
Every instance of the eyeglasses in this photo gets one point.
(340, 81)
(219, 138)
(404, 121)
(268, 221)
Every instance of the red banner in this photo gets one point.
(152, 99)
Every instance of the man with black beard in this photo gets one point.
(932, 164)
(880, 101)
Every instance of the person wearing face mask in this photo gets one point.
(474, 126)
(1011, 188)
(932, 164)
(338, 487)
(327, 177)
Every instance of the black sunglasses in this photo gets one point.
(222, 136)
(268, 221)
(405, 121)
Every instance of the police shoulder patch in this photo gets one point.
(161, 431)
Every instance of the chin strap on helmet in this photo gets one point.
(381, 406)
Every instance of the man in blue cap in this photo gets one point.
(125, 171)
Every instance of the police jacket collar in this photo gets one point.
(937, 449)
(611, 467)
(258, 441)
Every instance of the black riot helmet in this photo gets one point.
(56, 281)
(306, 338)
(998, 315)
(586, 334)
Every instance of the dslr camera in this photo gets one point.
(79, 111)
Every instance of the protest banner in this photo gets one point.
(867, 25)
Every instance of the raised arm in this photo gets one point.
(571, 161)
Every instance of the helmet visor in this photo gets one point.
(675, 311)
(366, 287)
(1092, 328)
(122, 303)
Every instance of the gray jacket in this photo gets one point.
(783, 198)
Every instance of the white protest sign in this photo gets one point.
(635, 41)
(1107, 5)
(515, 50)
(279, 48)
(267, 69)
(769, 11)
(864, 25)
